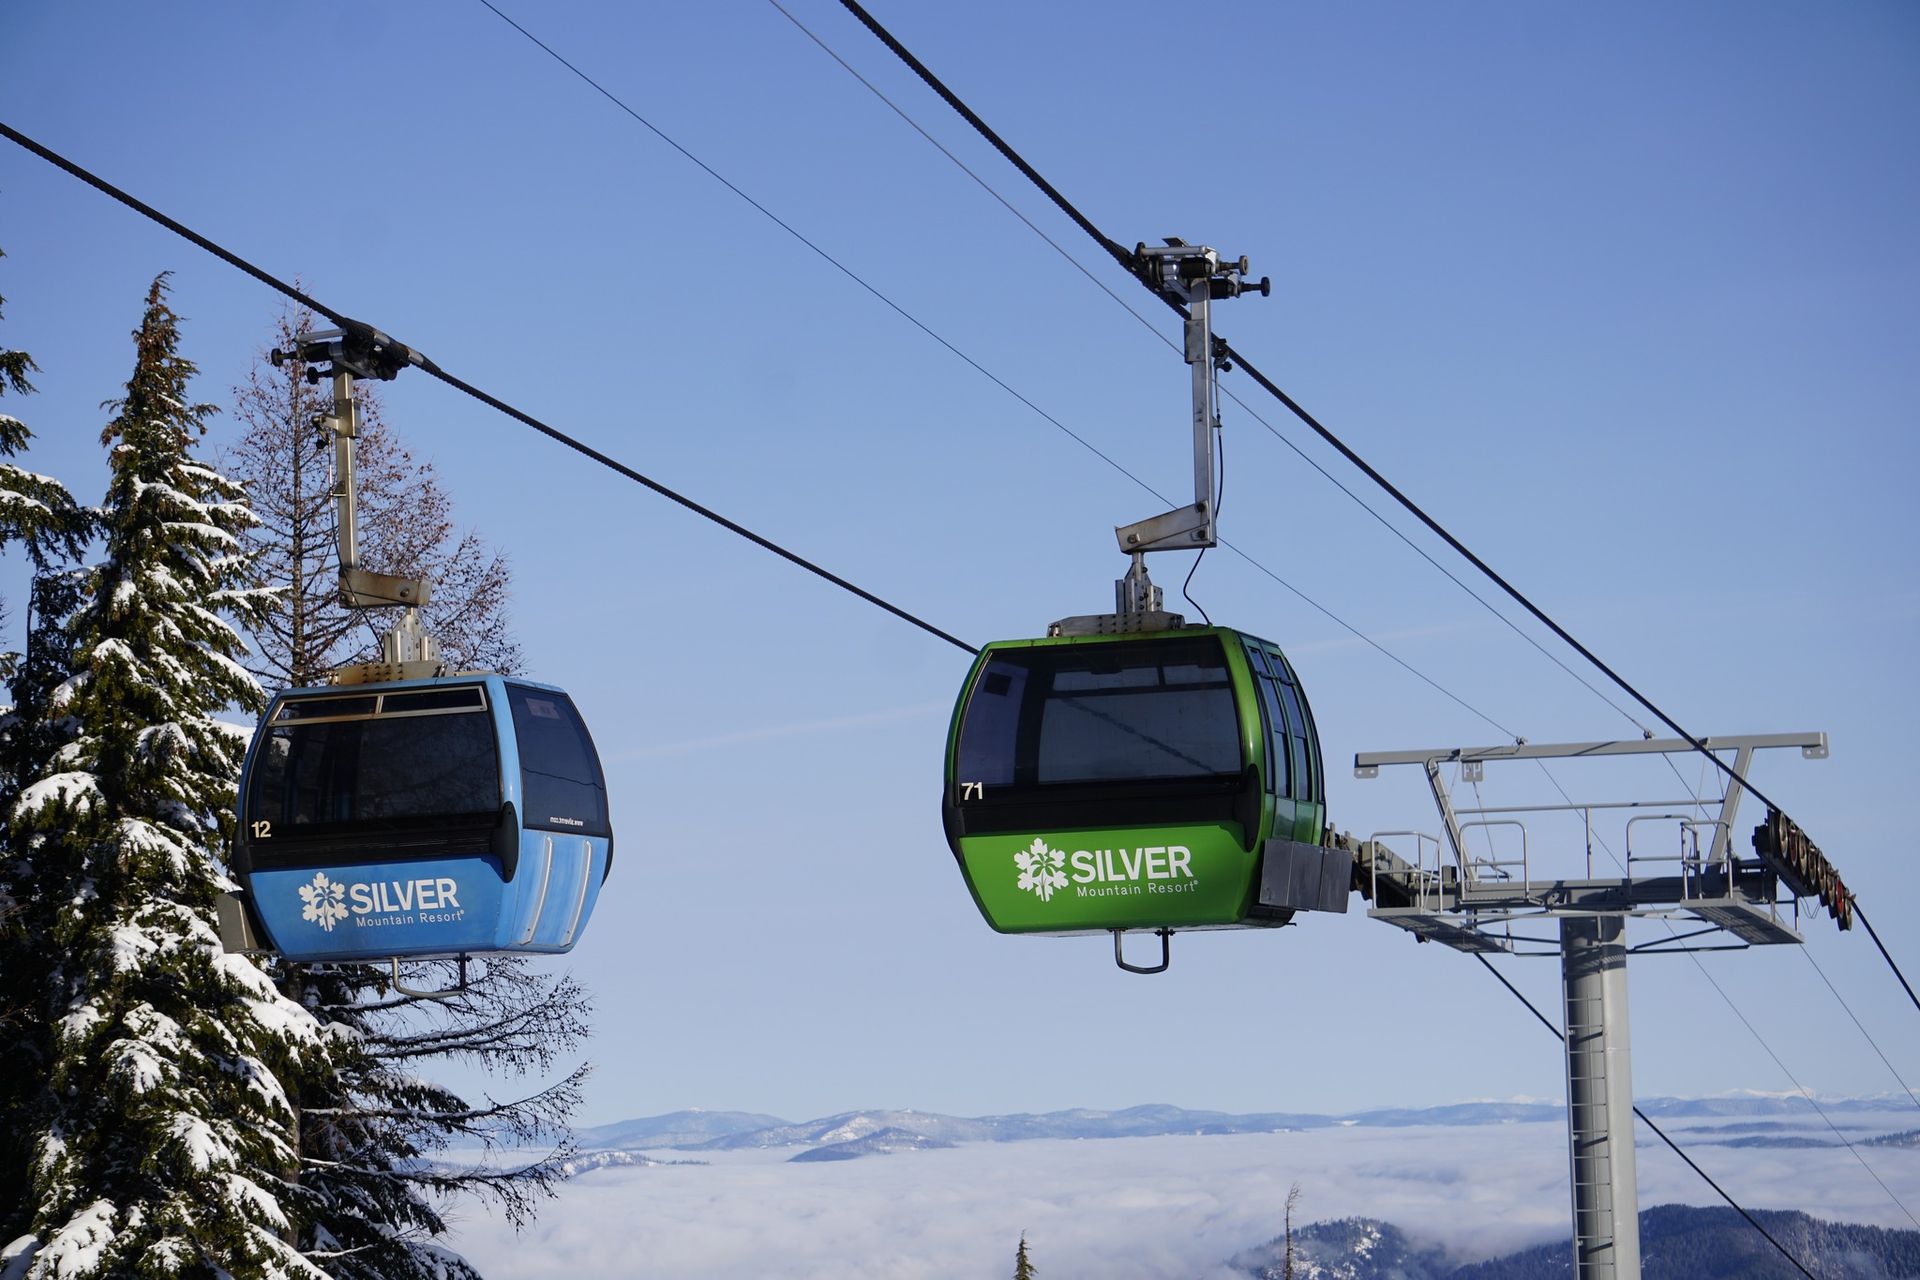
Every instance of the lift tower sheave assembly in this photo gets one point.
(1494, 902)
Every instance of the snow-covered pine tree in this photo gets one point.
(369, 1132)
(35, 510)
(166, 1146)
(14, 367)
(40, 513)
(30, 736)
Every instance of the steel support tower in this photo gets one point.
(1513, 898)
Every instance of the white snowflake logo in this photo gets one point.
(1041, 869)
(326, 901)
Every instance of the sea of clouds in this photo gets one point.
(1130, 1208)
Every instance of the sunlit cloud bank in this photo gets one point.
(1123, 1208)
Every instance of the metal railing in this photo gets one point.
(1426, 880)
(1501, 868)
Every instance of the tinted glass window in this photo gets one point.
(1101, 713)
(465, 699)
(337, 771)
(318, 708)
(987, 736)
(1297, 720)
(1313, 748)
(559, 770)
(1277, 749)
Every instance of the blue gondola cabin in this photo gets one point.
(444, 817)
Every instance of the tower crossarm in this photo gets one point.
(1492, 868)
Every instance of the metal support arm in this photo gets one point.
(1195, 275)
(407, 651)
(359, 588)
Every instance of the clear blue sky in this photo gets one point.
(1628, 296)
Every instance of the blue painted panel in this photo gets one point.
(553, 894)
(566, 893)
(442, 906)
(527, 892)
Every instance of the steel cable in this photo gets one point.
(1238, 357)
(459, 384)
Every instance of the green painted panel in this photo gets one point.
(1129, 878)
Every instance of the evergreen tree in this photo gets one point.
(31, 734)
(368, 1131)
(34, 510)
(1023, 1268)
(40, 513)
(164, 1144)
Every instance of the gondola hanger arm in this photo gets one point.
(1194, 276)
(407, 651)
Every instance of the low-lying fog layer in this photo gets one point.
(1133, 1207)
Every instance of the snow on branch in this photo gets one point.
(77, 791)
(76, 1247)
(203, 1148)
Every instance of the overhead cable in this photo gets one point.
(1885, 954)
(1258, 417)
(967, 359)
(1848, 1010)
(1126, 260)
(430, 367)
(1841, 908)
(460, 384)
(1239, 358)
(814, 247)
(1171, 345)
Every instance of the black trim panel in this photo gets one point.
(335, 844)
(1066, 806)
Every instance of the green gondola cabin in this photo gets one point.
(1152, 780)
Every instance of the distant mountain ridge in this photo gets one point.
(1677, 1242)
(741, 1130)
(662, 1132)
(883, 1142)
(577, 1165)
(676, 1129)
